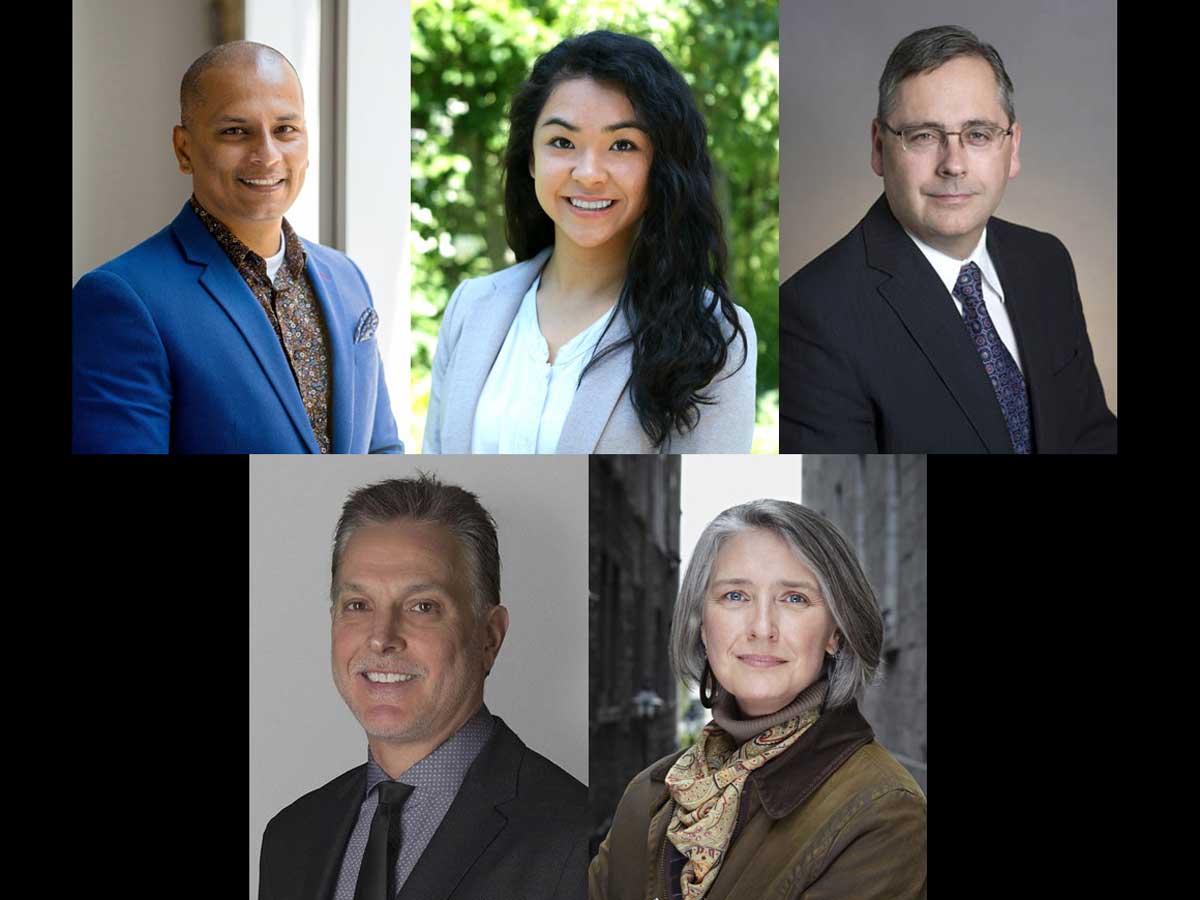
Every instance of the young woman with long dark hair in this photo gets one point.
(615, 331)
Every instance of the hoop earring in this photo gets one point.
(707, 694)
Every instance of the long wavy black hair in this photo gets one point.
(675, 296)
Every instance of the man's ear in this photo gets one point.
(876, 148)
(495, 627)
(181, 141)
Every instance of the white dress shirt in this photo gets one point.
(525, 399)
(275, 263)
(948, 268)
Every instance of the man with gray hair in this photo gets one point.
(450, 803)
(934, 326)
(226, 332)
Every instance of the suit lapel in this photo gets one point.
(319, 867)
(919, 299)
(226, 287)
(341, 348)
(472, 822)
(598, 391)
(478, 346)
(1021, 289)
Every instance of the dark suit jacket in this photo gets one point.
(172, 353)
(516, 831)
(874, 357)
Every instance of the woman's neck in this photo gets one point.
(586, 276)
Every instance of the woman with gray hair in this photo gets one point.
(785, 793)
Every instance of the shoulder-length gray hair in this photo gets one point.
(822, 548)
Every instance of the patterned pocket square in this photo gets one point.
(367, 323)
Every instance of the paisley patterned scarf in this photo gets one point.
(706, 784)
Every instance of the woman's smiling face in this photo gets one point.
(766, 625)
(590, 164)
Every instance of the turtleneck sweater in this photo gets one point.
(729, 717)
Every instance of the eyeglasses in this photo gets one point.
(927, 139)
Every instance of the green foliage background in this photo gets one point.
(468, 56)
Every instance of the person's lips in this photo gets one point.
(590, 207)
(264, 184)
(950, 199)
(760, 661)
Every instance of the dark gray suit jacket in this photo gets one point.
(516, 831)
(874, 358)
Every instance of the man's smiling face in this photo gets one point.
(245, 143)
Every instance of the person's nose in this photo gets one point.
(265, 150)
(953, 163)
(588, 171)
(762, 621)
(387, 631)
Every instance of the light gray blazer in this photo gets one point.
(601, 418)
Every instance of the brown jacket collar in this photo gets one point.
(788, 781)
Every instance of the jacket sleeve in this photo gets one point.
(120, 376)
(822, 404)
(1097, 424)
(447, 337)
(384, 438)
(618, 870)
(880, 854)
(727, 426)
(265, 863)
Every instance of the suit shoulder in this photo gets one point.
(845, 259)
(872, 771)
(554, 784)
(1027, 240)
(316, 802)
(143, 260)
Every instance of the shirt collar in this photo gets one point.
(295, 254)
(446, 767)
(786, 782)
(948, 268)
(535, 341)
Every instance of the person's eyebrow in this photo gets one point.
(353, 587)
(739, 582)
(616, 126)
(627, 124)
(555, 120)
(942, 125)
(239, 120)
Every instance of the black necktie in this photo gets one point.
(376, 873)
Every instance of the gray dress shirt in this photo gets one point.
(435, 781)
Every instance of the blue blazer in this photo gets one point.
(172, 353)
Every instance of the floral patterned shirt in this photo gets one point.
(292, 308)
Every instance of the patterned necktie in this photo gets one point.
(1001, 368)
(375, 875)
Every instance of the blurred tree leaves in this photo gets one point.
(468, 56)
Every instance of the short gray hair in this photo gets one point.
(426, 500)
(822, 548)
(927, 49)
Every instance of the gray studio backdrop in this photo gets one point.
(301, 733)
(1062, 60)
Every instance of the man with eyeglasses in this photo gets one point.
(933, 326)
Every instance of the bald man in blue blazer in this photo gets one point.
(226, 332)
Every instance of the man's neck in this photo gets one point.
(265, 239)
(397, 757)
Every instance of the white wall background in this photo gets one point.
(377, 179)
(127, 57)
(293, 27)
(710, 484)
